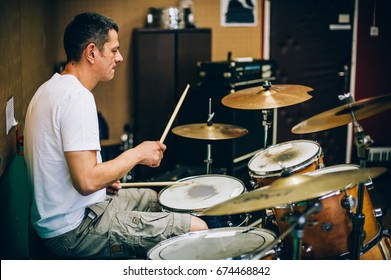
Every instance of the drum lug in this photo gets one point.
(378, 213)
(369, 184)
(327, 226)
(348, 202)
(307, 251)
(254, 183)
(320, 165)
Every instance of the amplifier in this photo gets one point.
(232, 74)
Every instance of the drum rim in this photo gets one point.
(163, 244)
(195, 212)
(276, 173)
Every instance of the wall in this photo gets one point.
(25, 62)
(372, 68)
(31, 47)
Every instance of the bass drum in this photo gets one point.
(217, 244)
(202, 192)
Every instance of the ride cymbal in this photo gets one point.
(216, 131)
(267, 97)
(342, 115)
(292, 189)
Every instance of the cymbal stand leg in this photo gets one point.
(362, 142)
(266, 122)
(208, 159)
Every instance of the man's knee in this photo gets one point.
(197, 224)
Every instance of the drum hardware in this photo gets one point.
(217, 244)
(348, 202)
(209, 131)
(350, 112)
(267, 96)
(328, 233)
(342, 115)
(209, 122)
(378, 213)
(297, 156)
(299, 220)
(203, 192)
(294, 188)
(296, 221)
(156, 184)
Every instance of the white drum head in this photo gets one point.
(213, 244)
(202, 192)
(290, 154)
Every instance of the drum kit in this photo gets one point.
(318, 212)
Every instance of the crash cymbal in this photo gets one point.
(264, 97)
(342, 115)
(292, 189)
(216, 131)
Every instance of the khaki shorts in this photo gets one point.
(125, 226)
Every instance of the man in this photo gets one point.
(79, 208)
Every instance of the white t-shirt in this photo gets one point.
(61, 117)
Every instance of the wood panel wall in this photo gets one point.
(25, 62)
(31, 46)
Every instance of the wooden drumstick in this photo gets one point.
(154, 184)
(174, 114)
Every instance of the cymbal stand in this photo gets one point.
(266, 122)
(209, 159)
(297, 221)
(362, 142)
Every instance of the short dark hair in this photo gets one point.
(84, 29)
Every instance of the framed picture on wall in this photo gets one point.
(238, 12)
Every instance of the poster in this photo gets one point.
(238, 12)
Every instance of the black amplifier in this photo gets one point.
(234, 74)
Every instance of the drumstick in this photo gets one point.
(174, 114)
(154, 184)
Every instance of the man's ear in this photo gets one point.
(90, 53)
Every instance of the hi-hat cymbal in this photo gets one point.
(342, 115)
(263, 97)
(216, 131)
(292, 189)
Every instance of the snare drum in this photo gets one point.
(216, 244)
(201, 193)
(327, 233)
(298, 156)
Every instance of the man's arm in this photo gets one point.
(89, 176)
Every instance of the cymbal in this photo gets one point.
(262, 98)
(216, 131)
(341, 115)
(292, 189)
